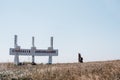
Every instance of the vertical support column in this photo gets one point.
(50, 60)
(51, 42)
(33, 51)
(33, 43)
(15, 41)
(16, 57)
(51, 48)
(33, 60)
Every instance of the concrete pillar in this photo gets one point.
(50, 48)
(16, 59)
(15, 41)
(33, 48)
(50, 60)
(51, 42)
(33, 43)
(33, 59)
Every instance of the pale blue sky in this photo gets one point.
(91, 27)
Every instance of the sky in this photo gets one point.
(89, 27)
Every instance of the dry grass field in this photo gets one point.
(104, 70)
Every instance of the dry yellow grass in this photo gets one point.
(108, 70)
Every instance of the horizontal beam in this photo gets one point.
(37, 52)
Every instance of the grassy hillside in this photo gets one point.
(108, 70)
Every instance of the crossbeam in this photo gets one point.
(38, 52)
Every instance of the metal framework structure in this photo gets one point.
(17, 51)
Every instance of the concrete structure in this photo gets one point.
(17, 51)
